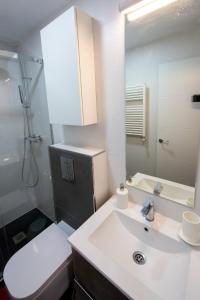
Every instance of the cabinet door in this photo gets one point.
(80, 293)
(61, 69)
(93, 281)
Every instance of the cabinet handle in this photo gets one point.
(165, 142)
(82, 288)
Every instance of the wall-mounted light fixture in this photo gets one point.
(136, 9)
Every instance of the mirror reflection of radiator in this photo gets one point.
(136, 111)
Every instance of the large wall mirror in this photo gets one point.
(162, 103)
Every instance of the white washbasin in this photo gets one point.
(177, 192)
(110, 237)
(119, 236)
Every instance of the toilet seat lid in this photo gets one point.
(32, 265)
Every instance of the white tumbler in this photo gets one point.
(191, 226)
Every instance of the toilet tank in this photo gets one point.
(80, 183)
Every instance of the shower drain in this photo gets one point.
(139, 258)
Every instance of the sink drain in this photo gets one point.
(139, 258)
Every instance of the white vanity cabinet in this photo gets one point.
(68, 53)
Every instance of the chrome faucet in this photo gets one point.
(157, 188)
(148, 210)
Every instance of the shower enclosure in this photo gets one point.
(24, 139)
(29, 137)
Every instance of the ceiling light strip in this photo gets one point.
(145, 7)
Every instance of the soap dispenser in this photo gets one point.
(122, 197)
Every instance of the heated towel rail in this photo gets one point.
(136, 111)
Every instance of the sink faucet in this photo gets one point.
(148, 210)
(157, 188)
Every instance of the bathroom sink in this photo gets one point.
(177, 192)
(157, 258)
(144, 260)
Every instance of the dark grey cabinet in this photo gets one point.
(79, 179)
(91, 284)
(80, 293)
(74, 199)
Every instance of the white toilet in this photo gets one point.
(42, 269)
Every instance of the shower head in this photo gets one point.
(22, 97)
(21, 94)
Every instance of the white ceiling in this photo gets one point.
(19, 17)
(179, 17)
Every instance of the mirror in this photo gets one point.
(162, 103)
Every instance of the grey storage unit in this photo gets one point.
(94, 286)
(80, 185)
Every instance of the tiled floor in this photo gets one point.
(3, 292)
(19, 232)
(67, 296)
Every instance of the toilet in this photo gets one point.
(42, 269)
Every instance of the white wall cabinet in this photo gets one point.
(68, 53)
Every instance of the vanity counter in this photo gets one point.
(167, 255)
